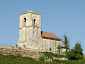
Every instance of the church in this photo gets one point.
(31, 36)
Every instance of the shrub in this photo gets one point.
(76, 53)
(50, 55)
(58, 61)
(41, 58)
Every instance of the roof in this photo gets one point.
(49, 35)
(62, 46)
(30, 11)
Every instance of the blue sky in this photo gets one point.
(58, 16)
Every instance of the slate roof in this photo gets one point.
(49, 35)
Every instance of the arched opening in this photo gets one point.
(24, 19)
(34, 22)
(24, 23)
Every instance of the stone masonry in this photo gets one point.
(31, 36)
(7, 50)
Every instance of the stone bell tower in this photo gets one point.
(29, 30)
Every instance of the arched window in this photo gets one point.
(24, 19)
(34, 22)
(24, 23)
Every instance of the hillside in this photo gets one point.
(23, 60)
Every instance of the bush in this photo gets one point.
(76, 53)
(58, 61)
(22, 60)
(50, 55)
(41, 58)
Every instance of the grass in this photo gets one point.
(26, 60)
(50, 55)
(20, 60)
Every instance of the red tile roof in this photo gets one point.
(62, 46)
(49, 35)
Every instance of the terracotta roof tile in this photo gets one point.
(49, 35)
(62, 46)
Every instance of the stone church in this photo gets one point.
(31, 36)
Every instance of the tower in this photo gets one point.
(29, 30)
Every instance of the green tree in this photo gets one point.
(66, 43)
(75, 53)
(78, 51)
(59, 48)
(16, 45)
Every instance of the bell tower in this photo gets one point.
(30, 27)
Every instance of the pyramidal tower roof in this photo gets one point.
(31, 11)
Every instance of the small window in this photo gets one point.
(24, 22)
(24, 19)
(34, 22)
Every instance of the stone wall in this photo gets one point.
(29, 30)
(51, 45)
(7, 50)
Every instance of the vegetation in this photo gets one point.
(66, 43)
(59, 48)
(75, 53)
(16, 45)
(26, 60)
(20, 60)
(50, 55)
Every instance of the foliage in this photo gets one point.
(20, 60)
(57, 61)
(25, 60)
(75, 53)
(50, 55)
(41, 58)
(66, 42)
(16, 45)
(59, 48)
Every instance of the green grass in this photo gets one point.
(50, 55)
(25, 60)
(20, 60)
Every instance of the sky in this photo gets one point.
(61, 17)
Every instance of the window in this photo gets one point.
(24, 19)
(34, 22)
(24, 22)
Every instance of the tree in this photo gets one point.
(59, 48)
(78, 51)
(66, 43)
(16, 45)
(75, 53)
